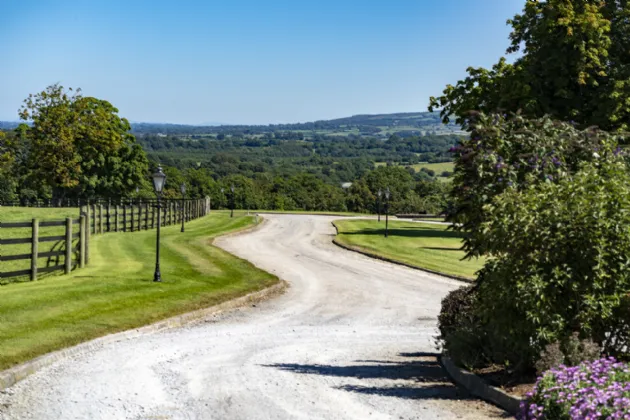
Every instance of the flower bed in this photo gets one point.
(592, 390)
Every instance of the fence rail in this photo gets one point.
(94, 219)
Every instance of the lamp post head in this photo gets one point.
(387, 193)
(182, 188)
(232, 188)
(379, 193)
(222, 190)
(137, 190)
(159, 179)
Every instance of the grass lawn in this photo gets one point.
(26, 214)
(116, 292)
(422, 245)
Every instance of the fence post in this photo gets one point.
(100, 219)
(146, 216)
(109, 211)
(87, 237)
(131, 208)
(139, 216)
(69, 244)
(94, 219)
(116, 218)
(82, 241)
(124, 217)
(34, 250)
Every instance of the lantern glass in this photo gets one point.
(159, 179)
(182, 188)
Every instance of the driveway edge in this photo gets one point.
(389, 260)
(479, 388)
(17, 373)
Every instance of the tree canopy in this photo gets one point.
(78, 146)
(574, 67)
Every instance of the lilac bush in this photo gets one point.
(591, 390)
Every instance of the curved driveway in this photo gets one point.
(351, 339)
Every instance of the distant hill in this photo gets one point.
(8, 125)
(408, 123)
(416, 119)
(378, 125)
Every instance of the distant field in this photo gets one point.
(437, 167)
(422, 245)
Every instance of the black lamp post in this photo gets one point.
(159, 179)
(182, 188)
(232, 206)
(378, 204)
(387, 194)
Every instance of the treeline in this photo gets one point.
(76, 147)
(333, 159)
(307, 192)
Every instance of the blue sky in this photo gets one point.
(247, 61)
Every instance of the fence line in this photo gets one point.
(95, 219)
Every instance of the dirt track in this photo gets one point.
(351, 339)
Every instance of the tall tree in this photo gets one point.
(574, 67)
(80, 147)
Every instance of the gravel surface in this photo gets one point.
(352, 338)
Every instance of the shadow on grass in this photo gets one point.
(440, 248)
(425, 377)
(411, 232)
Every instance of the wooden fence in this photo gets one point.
(133, 216)
(36, 239)
(94, 219)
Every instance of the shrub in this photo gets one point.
(570, 351)
(460, 331)
(559, 261)
(511, 152)
(592, 390)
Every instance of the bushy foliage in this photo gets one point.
(461, 332)
(559, 259)
(573, 66)
(75, 146)
(511, 152)
(593, 390)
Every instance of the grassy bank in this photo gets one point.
(422, 245)
(116, 292)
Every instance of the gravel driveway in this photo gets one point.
(352, 338)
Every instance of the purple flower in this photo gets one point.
(592, 390)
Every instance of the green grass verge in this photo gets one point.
(421, 245)
(116, 292)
